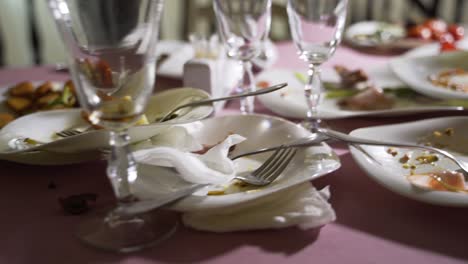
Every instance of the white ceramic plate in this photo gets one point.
(394, 33)
(260, 131)
(32, 126)
(415, 72)
(392, 175)
(290, 101)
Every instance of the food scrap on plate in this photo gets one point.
(25, 98)
(438, 178)
(434, 179)
(452, 79)
(364, 94)
(451, 181)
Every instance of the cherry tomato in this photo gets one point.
(457, 31)
(436, 25)
(419, 31)
(447, 43)
(437, 35)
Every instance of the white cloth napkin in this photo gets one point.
(174, 64)
(212, 167)
(300, 205)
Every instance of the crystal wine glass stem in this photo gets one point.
(247, 84)
(122, 168)
(313, 92)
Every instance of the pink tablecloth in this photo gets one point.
(374, 225)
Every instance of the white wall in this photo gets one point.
(15, 33)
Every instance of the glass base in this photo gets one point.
(127, 234)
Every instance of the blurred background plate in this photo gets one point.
(290, 101)
(415, 71)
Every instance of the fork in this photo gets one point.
(266, 173)
(72, 131)
(263, 175)
(210, 101)
(362, 141)
(312, 140)
(270, 169)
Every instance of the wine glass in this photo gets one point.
(243, 26)
(110, 48)
(317, 28)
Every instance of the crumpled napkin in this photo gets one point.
(300, 205)
(211, 167)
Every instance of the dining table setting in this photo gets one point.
(345, 144)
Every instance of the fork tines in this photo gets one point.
(275, 165)
(68, 133)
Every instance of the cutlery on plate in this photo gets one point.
(210, 101)
(362, 141)
(311, 140)
(73, 131)
(270, 169)
(76, 131)
(263, 175)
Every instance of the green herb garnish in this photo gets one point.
(300, 77)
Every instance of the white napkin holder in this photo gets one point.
(217, 77)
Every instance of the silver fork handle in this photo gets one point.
(362, 141)
(302, 142)
(210, 101)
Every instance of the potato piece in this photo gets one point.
(44, 89)
(47, 100)
(24, 89)
(19, 104)
(5, 118)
